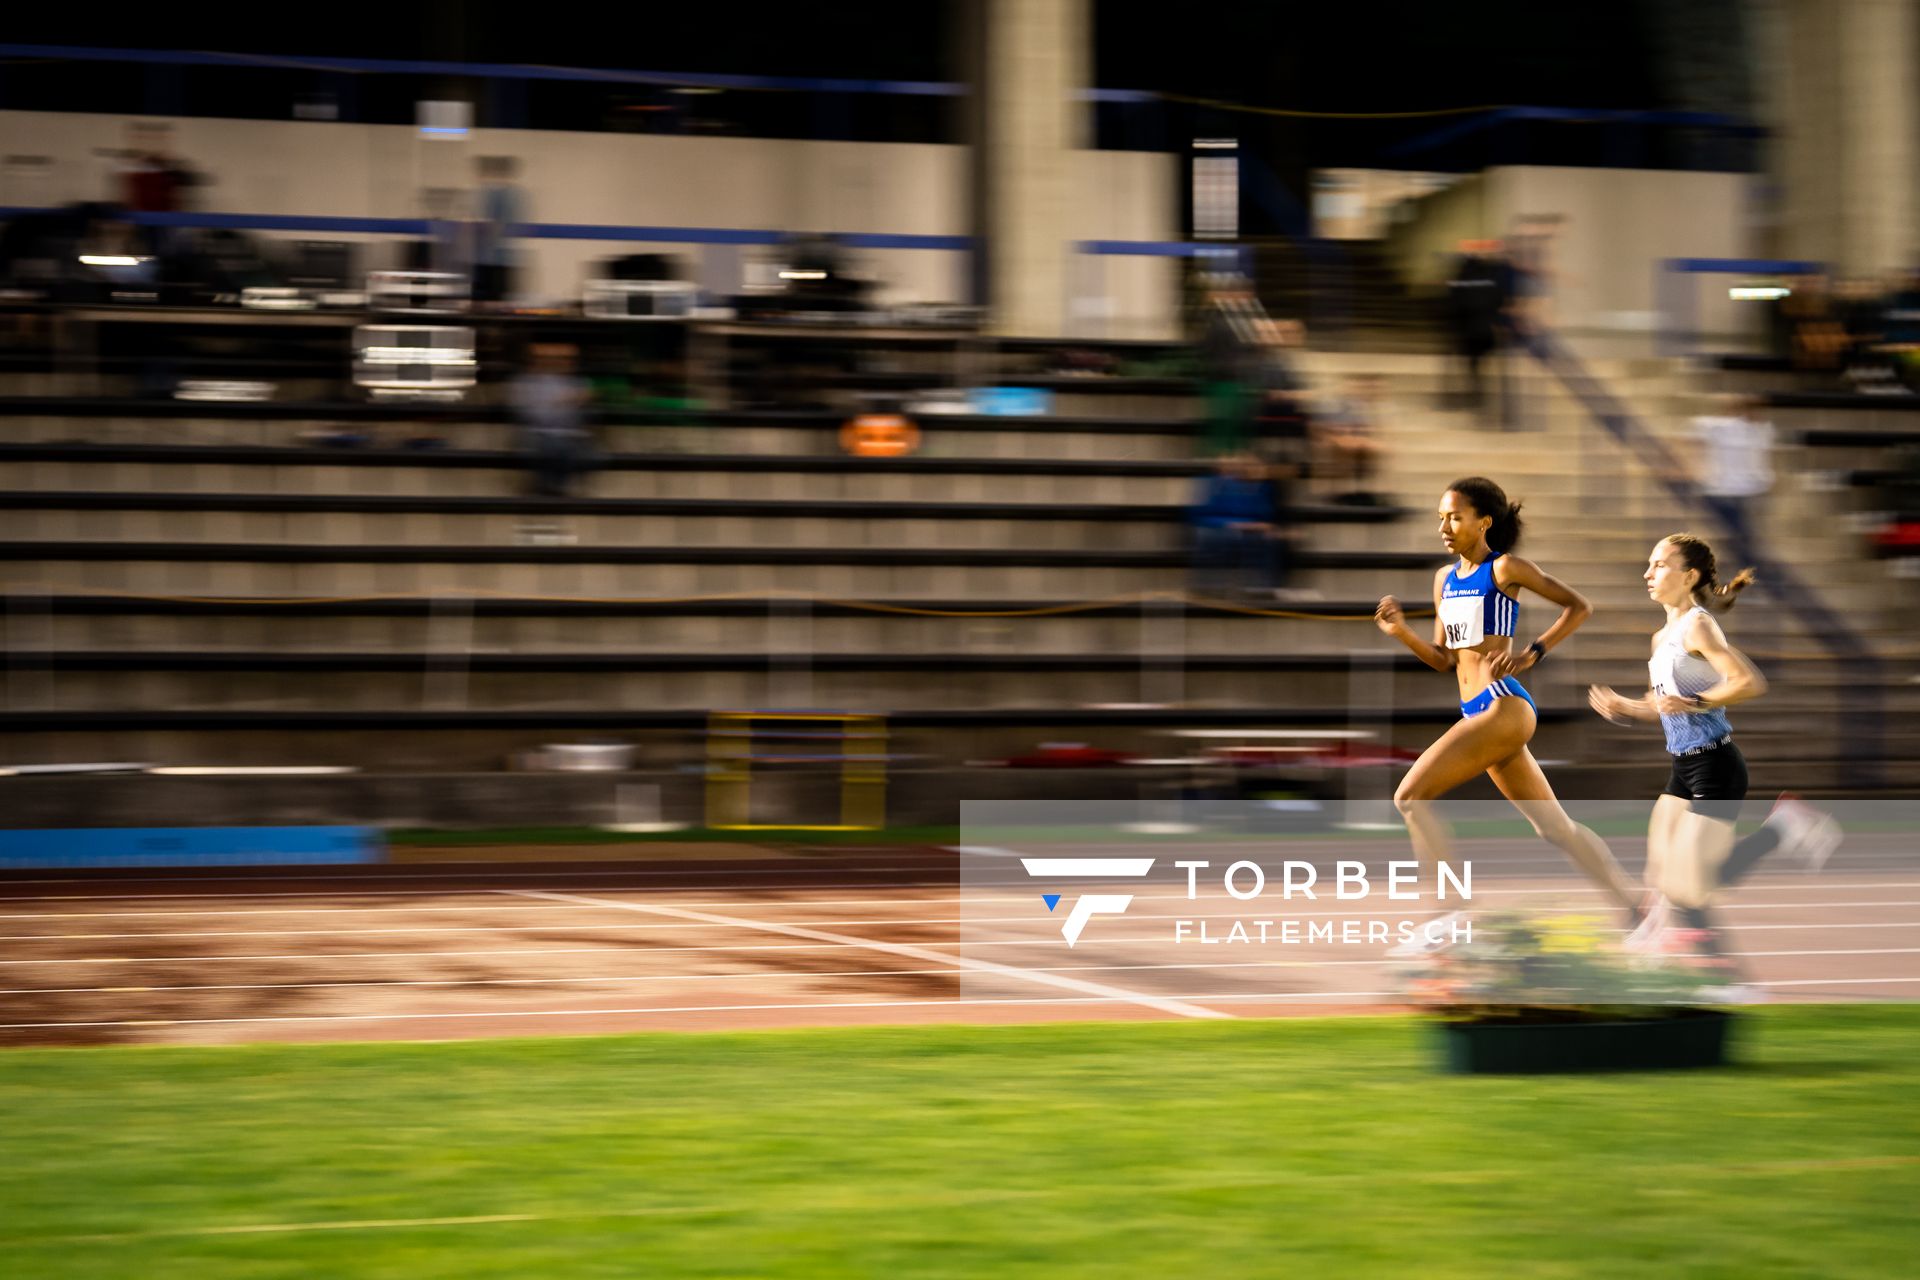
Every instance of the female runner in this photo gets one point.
(1694, 676)
(1475, 600)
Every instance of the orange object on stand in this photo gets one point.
(879, 435)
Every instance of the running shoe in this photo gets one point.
(1806, 833)
(1741, 993)
(1645, 939)
(1430, 938)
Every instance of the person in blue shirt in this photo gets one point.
(500, 210)
(1233, 530)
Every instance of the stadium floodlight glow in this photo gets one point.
(1758, 293)
(111, 260)
(224, 392)
(803, 275)
(417, 355)
(250, 770)
(412, 391)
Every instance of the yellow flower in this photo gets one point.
(1571, 935)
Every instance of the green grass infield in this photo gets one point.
(1308, 1147)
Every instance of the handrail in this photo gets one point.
(1863, 722)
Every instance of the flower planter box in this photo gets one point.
(1686, 1038)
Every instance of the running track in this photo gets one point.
(434, 952)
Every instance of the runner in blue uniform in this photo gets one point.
(1475, 598)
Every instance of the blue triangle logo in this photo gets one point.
(1051, 899)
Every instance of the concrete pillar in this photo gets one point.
(1844, 103)
(1035, 62)
(1879, 157)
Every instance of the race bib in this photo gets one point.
(1463, 621)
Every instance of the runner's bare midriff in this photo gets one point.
(1471, 667)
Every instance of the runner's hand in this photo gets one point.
(1609, 704)
(1388, 616)
(1510, 663)
(1668, 704)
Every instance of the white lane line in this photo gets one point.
(302, 911)
(1830, 879)
(1160, 1003)
(866, 900)
(754, 976)
(1755, 928)
(1583, 890)
(1124, 998)
(472, 871)
(1829, 951)
(912, 921)
(599, 927)
(1040, 941)
(759, 975)
(422, 955)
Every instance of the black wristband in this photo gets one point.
(1538, 650)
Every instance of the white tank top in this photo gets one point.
(1673, 670)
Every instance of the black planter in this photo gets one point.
(1684, 1038)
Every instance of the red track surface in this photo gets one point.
(450, 951)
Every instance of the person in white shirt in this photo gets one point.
(1736, 471)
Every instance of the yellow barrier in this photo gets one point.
(730, 759)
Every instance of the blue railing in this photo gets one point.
(612, 231)
(523, 71)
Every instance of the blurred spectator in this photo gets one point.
(1347, 444)
(1233, 531)
(1277, 396)
(152, 179)
(1478, 296)
(1233, 358)
(1862, 312)
(1736, 470)
(1530, 254)
(1811, 329)
(549, 400)
(816, 274)
(500, 210)
(1902, 338)
(1282, 440)
(448, 245)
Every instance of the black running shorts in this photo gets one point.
(1714, 781)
